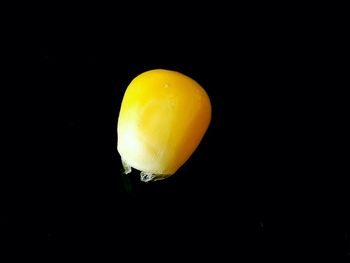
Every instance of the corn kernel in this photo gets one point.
(163, 117)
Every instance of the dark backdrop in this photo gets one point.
(253, 188)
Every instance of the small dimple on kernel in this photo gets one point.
(198, 95)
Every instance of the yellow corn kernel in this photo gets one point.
(163, 117)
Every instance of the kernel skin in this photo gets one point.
(163, 117)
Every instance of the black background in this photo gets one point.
(260, 184)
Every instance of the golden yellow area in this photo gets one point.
(163, 117)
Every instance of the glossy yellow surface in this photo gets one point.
(163, 117)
